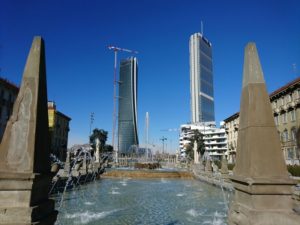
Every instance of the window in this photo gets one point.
(293, 133)
(276, 120)
(283, 118)
(285, 135)
(290, 153)
(293, 115)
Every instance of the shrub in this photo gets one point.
(231, 166)
(150, 166)
(218, 163)
(294, 170)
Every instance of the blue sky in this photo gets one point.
(80, 67)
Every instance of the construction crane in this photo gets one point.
(171, 129)
(116, 49)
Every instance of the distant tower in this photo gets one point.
(201, 79)
(127, 124)
(147, 133)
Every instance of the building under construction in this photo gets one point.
(127, 116)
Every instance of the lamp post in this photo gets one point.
(91, 122)
(163, 139)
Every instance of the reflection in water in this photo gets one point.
(156, 201)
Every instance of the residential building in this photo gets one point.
(231, 127)
(8, 95)
(58, 122)
(215, 141)
(201, 79)
(58, 131)
(127, 116)
(285, 103)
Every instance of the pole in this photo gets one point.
(163, 139)
(115, 107)
(147, 134)
(91, 122)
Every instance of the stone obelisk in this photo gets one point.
(260, 177)
(224, 168)
(24, 152)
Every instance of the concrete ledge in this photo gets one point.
(145, 174)
(213, 180)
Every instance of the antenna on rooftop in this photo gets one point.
(202, 27)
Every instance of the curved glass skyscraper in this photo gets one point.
(127, 118)
(201, 80)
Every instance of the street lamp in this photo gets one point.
(163, 139)
(91, 122)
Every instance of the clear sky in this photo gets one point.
(80, 67)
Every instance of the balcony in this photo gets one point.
(214, 137)
(296, 101)
(276, 110)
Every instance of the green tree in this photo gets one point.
(189, 151)
(108, 148)
(99, 134)
(198, 137)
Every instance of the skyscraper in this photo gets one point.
(201, 80)
(127, 118)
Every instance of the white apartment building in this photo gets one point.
(215, 139)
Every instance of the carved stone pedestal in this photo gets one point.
(24, 199)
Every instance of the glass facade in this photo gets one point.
(127, 116)
(201, 79)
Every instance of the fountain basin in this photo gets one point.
(145, 202)
(145, 174)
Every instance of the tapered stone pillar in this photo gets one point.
(224, 168)
(208, 166)
(196, 154)
(24, 152)
(260, 177)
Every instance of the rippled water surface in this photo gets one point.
(129, 201)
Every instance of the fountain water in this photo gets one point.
(78, 170)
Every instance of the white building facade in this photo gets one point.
(215, 139)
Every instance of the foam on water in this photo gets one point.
(86, 217)
(123, 182)
(89, 203)
(195, 213)
(181, 194)
(113, 192)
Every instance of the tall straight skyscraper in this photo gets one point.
(201, 80)
(127, 118)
